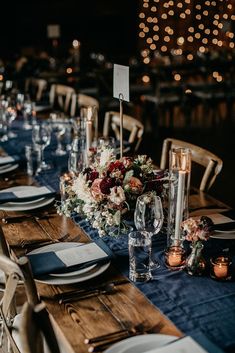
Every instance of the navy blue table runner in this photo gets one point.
(194, 304)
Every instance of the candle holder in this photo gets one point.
(65, 181)
(220, 268)
(175, 257)
(179, 183)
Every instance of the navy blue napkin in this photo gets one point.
(45, 263)
(11, 197)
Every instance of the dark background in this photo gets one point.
(107, 26)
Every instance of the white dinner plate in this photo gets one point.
(74, 276)
(223, 235)
(8, 168)
(141, 343)
(25, 206)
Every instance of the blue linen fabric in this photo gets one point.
(194, 304)
(199, 306)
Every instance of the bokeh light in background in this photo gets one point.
(185, 26)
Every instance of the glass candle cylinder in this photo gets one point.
(179, 183)
(175, 257)
(221, 268)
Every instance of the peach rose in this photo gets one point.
(135, 185)
(95, 190)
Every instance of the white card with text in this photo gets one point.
(121, 82)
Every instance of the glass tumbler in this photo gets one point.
(139, 256)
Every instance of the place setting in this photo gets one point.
(8, 163)
(63, 263)
(25, 198)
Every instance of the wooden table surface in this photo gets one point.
(97, 315)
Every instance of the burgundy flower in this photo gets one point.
(93, 175)
(106, 184)
(117, 165)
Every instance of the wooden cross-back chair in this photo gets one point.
(35, 86)
(130, 124)
(15, 274)
(36, 327)
(62, 95)
(212, 163)
(82, 100)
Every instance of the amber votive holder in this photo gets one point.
(220, 268)
(65, 180)
(175, 257)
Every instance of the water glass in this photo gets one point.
(140, 246)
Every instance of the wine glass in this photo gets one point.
(3, 120)
(149, 217)
(28, 108)
(58, 127)
(11, 116)
(41, 136)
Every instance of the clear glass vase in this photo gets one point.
(179, 183)
(195, 263)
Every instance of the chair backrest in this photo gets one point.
(37, 86)
(212, 164)
(4, 248)
(132, 125)
(62, 95)
(7, 304)
(35, 326)
(82, 100)
(13, 275)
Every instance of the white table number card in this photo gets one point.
(121, 82)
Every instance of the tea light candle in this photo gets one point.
(220, 267)
(65, 180)
(175, 256)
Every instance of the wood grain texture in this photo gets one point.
(97, 315)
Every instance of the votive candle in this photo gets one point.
(220, 267)
(175, 257)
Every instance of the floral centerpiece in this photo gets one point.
(196, 231)
(107, 190)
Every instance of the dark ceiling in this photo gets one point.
(108, 26)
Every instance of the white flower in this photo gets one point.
(106, 157)
(81, 189)
(117, 195)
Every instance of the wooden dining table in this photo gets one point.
(126, 306)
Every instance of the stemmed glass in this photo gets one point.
(41, 137)
(28, 109)
(3, 120)
(59, 128)
(149, 217)
(11, 116)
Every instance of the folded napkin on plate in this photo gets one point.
(70, 259)
(182, 345)
(223, 221)
(25, 195)
(9, 160)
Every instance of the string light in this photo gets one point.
(184, 26)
